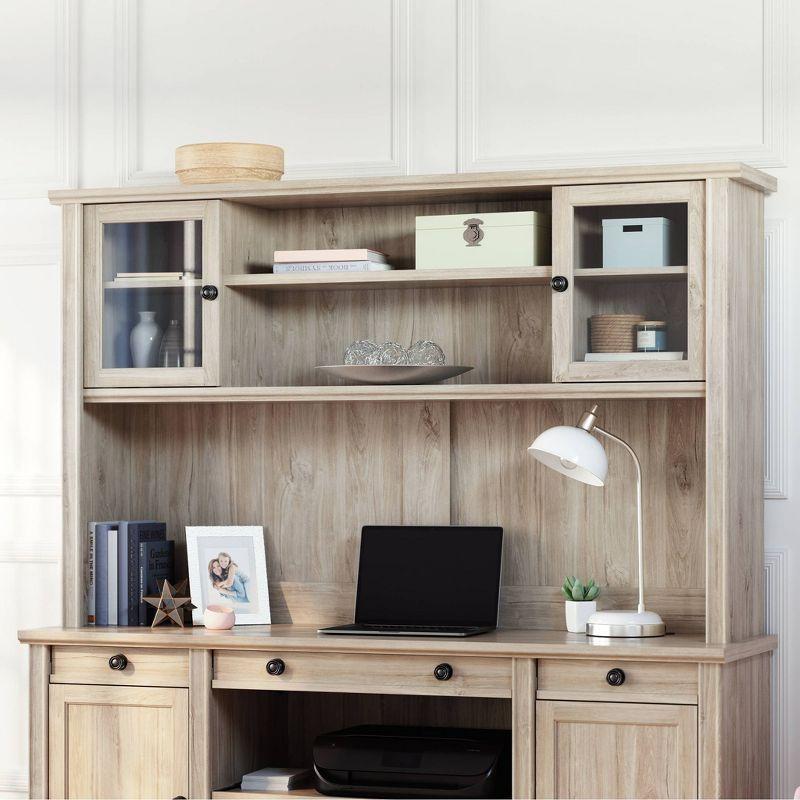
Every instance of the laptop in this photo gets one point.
(426, 580)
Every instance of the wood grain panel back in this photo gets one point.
(313, 474)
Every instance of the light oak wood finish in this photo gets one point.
(38, 724)
(228, 162)
(734, 732)
(497, 644)
(399, 278)
(681, 303)
(598, 750)
(523, 728)
(374, 191)
(555, 527)
(239, 794)
(145, 667)
(414, 394)
(563, 679)
(202, 732)
(735, 414)
(630, 273)
(138, 734)
(94, 286)
(73, 563)
(370, 674)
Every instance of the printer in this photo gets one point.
(399, 761)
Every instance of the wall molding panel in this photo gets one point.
(14, 781)
(776, 608)
(30, 255)
(126, 108)
(65, 129)
(30, 486)
(776, 450)
(770, 152)
(31, 553)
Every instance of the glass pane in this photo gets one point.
(152, 278)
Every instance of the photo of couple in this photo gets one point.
(227, 579)
(227, 566)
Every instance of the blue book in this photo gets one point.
(131, 534)
(155, 565)
(101, 583)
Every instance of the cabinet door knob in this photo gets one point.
(275, 666)
(209, 292)
(615, 677)
(443, 672)
(118, 662)
(559, 283)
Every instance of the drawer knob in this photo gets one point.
(615, 677)
(275, 666)
(443, 672)
(559, 283)
(118, 662)
(209, 292)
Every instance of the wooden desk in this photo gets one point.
(205, 703)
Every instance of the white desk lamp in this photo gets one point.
(574, 452)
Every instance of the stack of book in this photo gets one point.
(276, 779)
(127, 559)
(361, 260)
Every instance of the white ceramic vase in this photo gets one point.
(145, 340)
(578, 614)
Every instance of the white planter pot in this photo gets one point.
(145, 340)
(577, 614)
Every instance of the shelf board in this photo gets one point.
(399, 278)
(152, 283)
(431, 392)
(630, 273)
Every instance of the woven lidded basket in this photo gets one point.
(228, 162)
(614, 333)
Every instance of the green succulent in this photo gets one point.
(574, 589)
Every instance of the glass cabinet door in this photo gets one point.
(628, 281)
(151, 289)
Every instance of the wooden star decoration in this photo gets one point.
(170, 604)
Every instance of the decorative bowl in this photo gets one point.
(394, 373)
(228, 162)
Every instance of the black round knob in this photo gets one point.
(615, 677)
(275, 666)
(118, 662)
(443, 672)
(559, 283)
(209, 292)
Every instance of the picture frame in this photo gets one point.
(228, 566)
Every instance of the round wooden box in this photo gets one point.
(614, 333)
(228, 162)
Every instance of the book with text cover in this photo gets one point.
(131, 534)
(102, 530)
(156, 563)
(330, 266)
(342, 254)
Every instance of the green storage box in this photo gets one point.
(480, 241)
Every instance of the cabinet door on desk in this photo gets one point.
(615, 750)
(118, 742)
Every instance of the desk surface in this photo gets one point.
(501, 643)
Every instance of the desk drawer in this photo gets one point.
(140, 666)
(642, 681)
(364, 674)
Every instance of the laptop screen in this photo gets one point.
(429, 575)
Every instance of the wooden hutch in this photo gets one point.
(248, 432)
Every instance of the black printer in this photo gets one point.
(398, 761)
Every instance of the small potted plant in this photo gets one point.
(581, 602)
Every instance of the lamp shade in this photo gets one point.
(572, 452)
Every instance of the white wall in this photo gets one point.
(99, 93)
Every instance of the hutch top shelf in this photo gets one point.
(407, 189)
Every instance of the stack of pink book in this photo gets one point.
(359, 260)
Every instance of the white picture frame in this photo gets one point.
(240, 584)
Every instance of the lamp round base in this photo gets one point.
(625, 624)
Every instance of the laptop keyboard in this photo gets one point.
(420, 628)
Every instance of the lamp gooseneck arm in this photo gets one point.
(638, 507)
